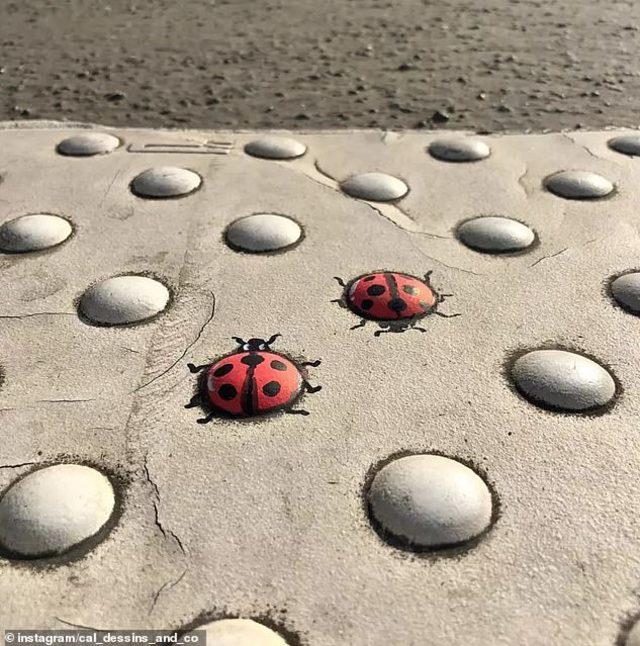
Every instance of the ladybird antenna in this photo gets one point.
(269, 341)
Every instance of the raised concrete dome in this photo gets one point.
(52, 510)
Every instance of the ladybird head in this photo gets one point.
(253, 345)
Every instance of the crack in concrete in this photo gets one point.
(182, 356)
(69, 623)
(324, 179)
(131, 350)
(583, 146)
(168, 585)
(165, 532)
(395, 215)
(377, 209)
(391, 212)
(17, 466)
(332, 181)
(63, 401)
(553, 255)
(111, 183)
(24, 316)
(399, 226)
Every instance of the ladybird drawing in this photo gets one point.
(251, 381)
(396, 301)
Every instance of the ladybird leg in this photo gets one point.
(194, 369)
(311, 389)
(420, 329)
(297, 411)
(441, 297)
(340, 281)
(313, 364)
(447, 316)
(340, 301)
(207, 419)
(427, 277)
(379, 332)
(362, 323)
(194, 401)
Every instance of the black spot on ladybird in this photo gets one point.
(252, 360)
(376, 290)
(271, 389)
(366, 304)
(227, 392)
(278, 365)
(397, 305)
(223, 370)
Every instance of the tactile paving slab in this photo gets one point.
(463, 465)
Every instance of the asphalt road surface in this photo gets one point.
(487, 65)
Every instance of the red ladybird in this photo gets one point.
(251, 381)
(393, 299)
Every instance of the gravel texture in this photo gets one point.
(493, 66)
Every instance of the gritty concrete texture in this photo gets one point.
(458, 149)
(240, 632)
(430, 501)
(495, 65)
(578, 185)
(88, 144)
(165, 181)
(124, 299)
(33, 232)
(494, 234)
(54, 509)
(263, 232)
(563, 380)
(267, 518)
(626, 290)
(275, 148)
(376, 187)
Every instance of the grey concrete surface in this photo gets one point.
(267, 518)
(492, 65)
